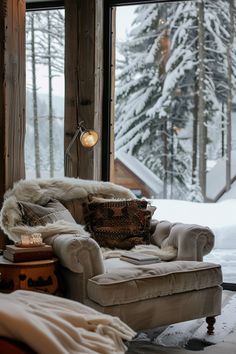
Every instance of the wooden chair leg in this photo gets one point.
(210, 321)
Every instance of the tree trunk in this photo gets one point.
(229, 97)
(195, 122)
(35, 103)
(165, 161)
(223, 131)
(50, 110)
(194, 136)
(202, 132)
(171, 167)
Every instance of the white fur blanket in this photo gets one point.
(39, 191)
(49, 324)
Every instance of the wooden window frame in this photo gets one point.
(45, 5)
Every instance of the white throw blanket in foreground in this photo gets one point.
(50, 324)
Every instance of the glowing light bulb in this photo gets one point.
(89, 138)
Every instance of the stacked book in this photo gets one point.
(139, 258)
(21, 254)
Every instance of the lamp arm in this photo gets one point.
(77, 132)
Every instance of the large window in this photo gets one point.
(44, 142)
(175, 113)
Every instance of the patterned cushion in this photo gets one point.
(35, 214)
(119, 223)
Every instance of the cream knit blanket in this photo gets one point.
(50, 324)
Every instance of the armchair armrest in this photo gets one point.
(80, 254)
(192, 241)
(81, 259)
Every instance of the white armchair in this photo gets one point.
(142, 296)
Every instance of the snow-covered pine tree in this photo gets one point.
(188, 93)
(141, 130)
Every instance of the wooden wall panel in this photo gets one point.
(113, 97)
(83, 77)
(12, 92)
(15, 91)
(2, 98)
(98, 86)
(2, 108)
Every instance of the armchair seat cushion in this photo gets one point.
(135, 283)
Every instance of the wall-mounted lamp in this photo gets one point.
(88, 139)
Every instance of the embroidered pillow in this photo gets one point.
(35, 214)
(119, 223)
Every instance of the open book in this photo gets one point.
(139, 258)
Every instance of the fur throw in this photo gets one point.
(40, 191)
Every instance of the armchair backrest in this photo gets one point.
(40, 191)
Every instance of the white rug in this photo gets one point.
(189, 335)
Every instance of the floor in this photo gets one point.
(225, 336)
(226, 347)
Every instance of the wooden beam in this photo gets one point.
(83, 82)
(113, 97)
(2, 108)
(12, 92)
(12, 95)
(2, 98)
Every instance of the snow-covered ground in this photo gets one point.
(220, 217)
(231, 193)
(216, 177)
